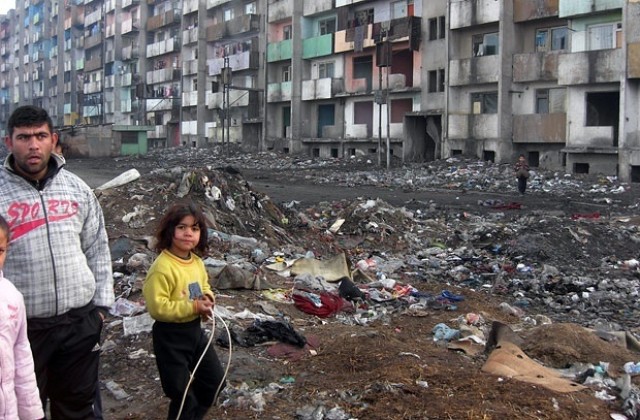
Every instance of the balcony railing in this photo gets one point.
(473, 126)
(540, 66)
(476, 70)
(313, 7)
(215, 3)
(526, 10)
(92, 41)
(163, 75)
(317, 46)
(280, 10)
(279, 92)
(94, 63)
(167, 18)
(278, 51)
(189, 6)
(587, 67)
(242, 61)
(463, 14)
(236, 26)
(163, 47)
(324, 88)
(540, 128)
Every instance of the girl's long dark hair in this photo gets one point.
(171, 219)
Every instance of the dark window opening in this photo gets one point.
(437, 28)
(433, 81)
(456, 152)
(603, 110)
(486, 44)
(489, 156)
(352, 151)
(635, 173)
(484, 103)
(534, 159)
(372, 151)
(334, 153)
(400, 107)
(316, 152)
(285, 150)
(580, 168)
(433, 29)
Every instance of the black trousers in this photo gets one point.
(66, 351)
(522, 184)
(178, 347)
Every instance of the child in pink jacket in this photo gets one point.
(19, 397)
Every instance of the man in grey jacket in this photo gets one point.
(59, 260)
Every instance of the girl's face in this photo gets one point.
(4, 244)
(185, 237)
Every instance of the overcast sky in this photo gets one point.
(6, 5)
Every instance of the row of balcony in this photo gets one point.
(167, 18)
(235, 26)
(346, 40)
(164, 47)
(600, 66)
(477, 12)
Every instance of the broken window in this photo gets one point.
(326, 69)
(552, 39)
(484, 102)
(362, 17)
(436, 80)
(286, 73)
(250, 8)
(603, 110)
(400, 107)
(327, 26)
(287, 32)
(228, 14)
(486, 44)
(549, 101)
(437, 28)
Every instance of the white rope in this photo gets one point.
(226, 371)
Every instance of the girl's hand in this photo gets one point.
(204, 306)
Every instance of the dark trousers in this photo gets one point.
(522, 184)
(66, 354)
(178, 347)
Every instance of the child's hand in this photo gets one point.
(204, 307)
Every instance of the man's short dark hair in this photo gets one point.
(28, 116)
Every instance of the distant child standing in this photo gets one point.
(177, 295)
(20, 397)
(521, 169)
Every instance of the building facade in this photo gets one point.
(556, 80)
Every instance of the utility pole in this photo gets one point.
(226, 111)
(388, 69)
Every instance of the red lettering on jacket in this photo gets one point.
(24, 217)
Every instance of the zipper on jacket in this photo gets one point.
(53, 261)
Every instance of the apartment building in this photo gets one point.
(557, 80)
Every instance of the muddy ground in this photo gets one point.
(390, 368)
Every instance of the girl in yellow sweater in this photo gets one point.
(177, 295)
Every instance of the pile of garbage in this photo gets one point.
(363, 261)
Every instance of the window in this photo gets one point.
(484, 102)
(362, 17)
(549, 101)
(600, 37)
(436, 80)
(552, 39)
(194, 85)
(486, 44)
(398, 9)
(228, 15)
(250, 8)
(400, 107)
(327, 26)
(287, 32)
(326, 69)
(286, 73)
(437, 29)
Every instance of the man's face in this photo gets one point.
(31, 148)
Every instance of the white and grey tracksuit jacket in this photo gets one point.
(59, 252)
